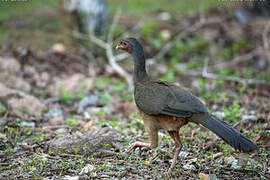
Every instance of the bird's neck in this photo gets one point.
(139, 69)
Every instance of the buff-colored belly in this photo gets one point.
(168, 123)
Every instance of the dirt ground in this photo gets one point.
(65, 113)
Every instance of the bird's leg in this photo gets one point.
(154, 142)
(178, 146)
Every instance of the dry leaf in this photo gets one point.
(87, 125)
(203, 176)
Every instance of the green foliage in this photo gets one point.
(105, 98)
(102, 83)
(202, 88)
(76, 149)
(234, 49)
(233, 113)
(120, 86)
(189, 46)
(72, 121)
(148, 7)
(2, 111)
(170, 76)
(65, 96)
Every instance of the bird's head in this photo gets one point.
(131, 46)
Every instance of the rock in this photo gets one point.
(55, 115)
(189, 167)
(86, 102)
(26, 105)
(165, 34)
(71, 178)
(165, 16)
(219, 114)
(21, 104)
(52, 113)
(15, 82)
(30, 125)
(183, 154)
(235, 165)
(57, 120)
(232, 161)
(9, 65)
(5, 91)
(94, 141)
(61, 131)
(229, 160)
(74, 85)
(87, 169)
(249, 117)
(58, 48)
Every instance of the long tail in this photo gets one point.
(226, 132)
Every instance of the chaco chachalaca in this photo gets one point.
(166, 106)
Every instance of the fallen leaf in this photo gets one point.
(203, 176)
(87, 125)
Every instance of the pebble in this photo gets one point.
(86, 169)
(30, 125)
(189, 167)
(54, 113)
(86, 102)
(183, 154)
(71, 178)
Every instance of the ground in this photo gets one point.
(65, 113)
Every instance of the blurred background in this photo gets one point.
(62, 84)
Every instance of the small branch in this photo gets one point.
(109, 50)
(265, 36)
(236, 60)
(207, 75)
(166, 48)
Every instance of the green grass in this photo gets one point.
(144, 7)
(20, 8)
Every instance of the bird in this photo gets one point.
(165, 106)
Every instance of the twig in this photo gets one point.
(110, 55)
(185, 30)
(265, 36)
(167, 47)
(108, 48)
(236, 60)
(205, 74)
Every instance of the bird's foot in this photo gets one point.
(138, 144)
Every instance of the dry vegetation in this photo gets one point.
(65, 111)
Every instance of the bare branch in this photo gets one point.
(265, 36)
(116, 67)
(108, 48)
(236, 60)
(205, 74)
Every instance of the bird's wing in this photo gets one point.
(163, 98)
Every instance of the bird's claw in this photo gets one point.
(132, 147)
(138, 144)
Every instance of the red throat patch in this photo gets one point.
(127, 52)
